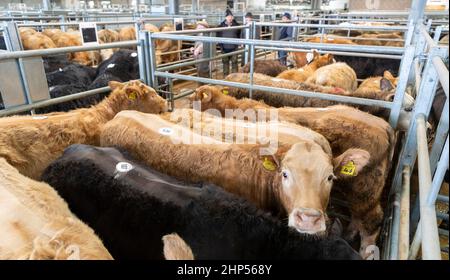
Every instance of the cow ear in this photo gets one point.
(114, 85)
(386, 85)
(204, 94)
(350, 163)
(330, 57)
(388, 75)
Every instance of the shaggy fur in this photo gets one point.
(335, 75)
(271, 68)
(30, 144)
(108, 36)
(55, 62)
(132, 212)
(329, 40)
(342, 126)
(73, 74)
(127, 33)
(38, 225)
(64, 90)
(302, 74)
(66, 39)
(37, 41)
(280, 100)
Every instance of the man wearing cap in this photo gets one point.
(248, 19)
(228, 48)
(284, 33)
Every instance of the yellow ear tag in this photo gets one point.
(132, 96)
(225, 91)
(269, 165)
(349, 169)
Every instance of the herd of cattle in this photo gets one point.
(102, 177)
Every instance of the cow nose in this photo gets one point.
(309, 220)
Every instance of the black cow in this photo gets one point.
(63, 90)
(2, 43)
(132, 209)
(55, 62)
(122, 66)
(73, 74)
(366, 67)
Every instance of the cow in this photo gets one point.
(30, 143)
(293, 180)
(302, 74)
(271, 68)
(127, 33)
(335, 75)
(342, 126)
(37, 41)
(55, 62)
(107, 36)
(73, 74)
(132, 207)
(385, 93)
(375, 82)
(38, 225)
(66, 39)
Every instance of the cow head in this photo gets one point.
(306, 173)
(208, 96)
(135, 95)
(322, 60)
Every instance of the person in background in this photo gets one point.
(228, 48)
(284, 33)
(200, 50)
(248, 21)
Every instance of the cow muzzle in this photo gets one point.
(307, 220)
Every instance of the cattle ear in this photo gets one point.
(386, 85)
(350, 163)
(316, 54)
(330, 57)
(204, 94)
(114, 85)
(388, 75)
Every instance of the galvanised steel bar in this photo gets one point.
(395, 229)
(331, 97)
(331, 26)
(403, 242)
(406, 66)
(430, 237)
(46, 52)
(299, 45)
(194, 62)
(49, 102)
(333, 52)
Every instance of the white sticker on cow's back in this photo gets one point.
(124, 167)
(165, 131)
(134, 54)
(277, 80)
(309, 57)
(111, 65)
(39, 117)
(60, 70)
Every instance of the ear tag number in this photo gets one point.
(349, 169)
(269, 165)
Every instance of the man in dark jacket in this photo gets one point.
(228, 48)
(248, 20)
(285, 33)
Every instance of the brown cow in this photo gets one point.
(295, 180)
(375, 83)
(65, 39)
(127, 33)
(302, 74)
(385, 93)
(271, 68)
(37, 41)
(31, 143)
(343, 127)
(38, 225)
(329, 40)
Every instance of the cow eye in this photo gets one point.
(284, 174)
(331, 177)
